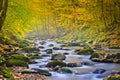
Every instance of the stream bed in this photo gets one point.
(84, 72)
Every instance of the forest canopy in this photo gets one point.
(88, 20)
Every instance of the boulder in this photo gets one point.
(57, 48)
(96, 55)
(85, 51)
(16, 62)
(56, 67)
(53, 64)
(65, 49)
(58, 56)
(65, 70)
(36, 57)
(66, 53)
(42, 42)
(45, 55)
(41, 47)
(30, 49)
(73, 44)
(72, 65)
(99, 71)
(109, 58)
(42, 72)
(23, 44)
(50, 45)
(64, 45)
(112, 77)
(28, 71)
(36, 71)
(19, 57)
(87, 63)
(49, 51)
(32, 61)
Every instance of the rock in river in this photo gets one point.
(99, 71)
(58, 56)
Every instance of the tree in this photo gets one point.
(3, 10)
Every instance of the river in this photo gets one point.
(84, 72)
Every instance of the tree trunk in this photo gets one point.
(3, 10)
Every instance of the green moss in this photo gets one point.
(58, 56)
(115, 77)
(54, 55)
(21, 45)
(113, 56)
(50, 45)
(96, 55)
(56, 63)
(66, 70)
(85, 51)
(43, 72)
(72, 64)
(64, 45)
(31, 50)
(15, 62)
(19, 57)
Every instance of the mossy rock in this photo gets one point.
(73, 44)
(36, 57)
(56, 63)
(41, 47)
(6, 73)
(42, 72)
(66, 70)
(64, 45)
(85, 51)
(19, 57)
(58, 56)
(57, 48)
(22, 45)
(50, 45)
(113, 77)
(61, 42)
(42, 42)
(28, 71)
(96, 55)
(31, 50)
(72, 65)
(16, 62)
(49, 51)
(113, 56)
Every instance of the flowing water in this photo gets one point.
(84, 72)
